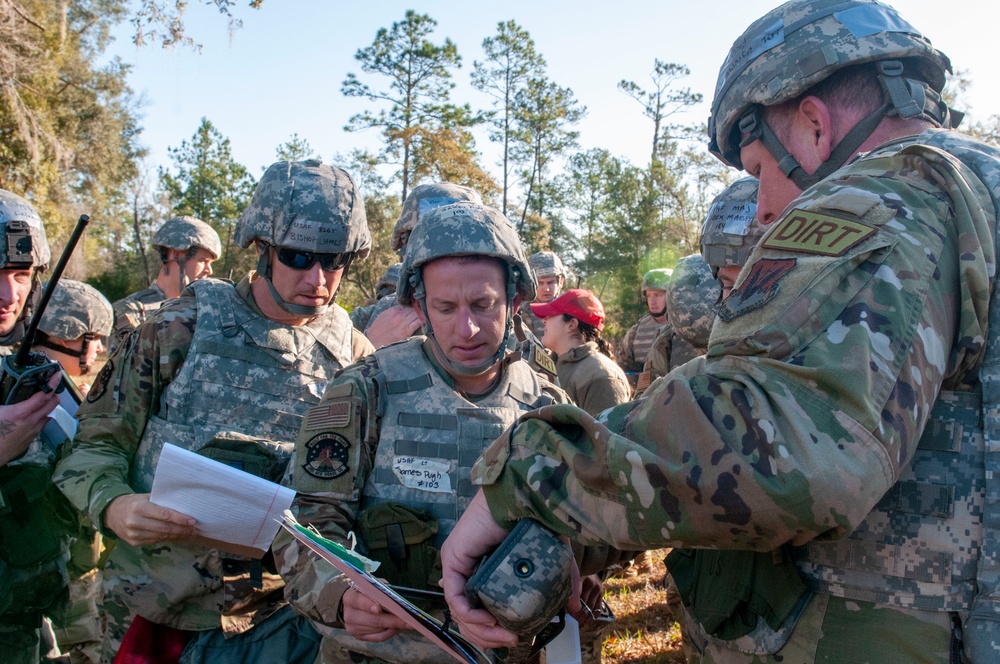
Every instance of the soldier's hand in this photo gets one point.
(588, 605)
(475, 535)
(366, 620)
(20, 423)
(394, 324)
(139, 522)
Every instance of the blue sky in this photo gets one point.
(281, 72)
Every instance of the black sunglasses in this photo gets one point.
(303, 260)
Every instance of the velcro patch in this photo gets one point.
(327, 456)
(810, 232)
(336, 415)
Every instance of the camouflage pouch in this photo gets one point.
(526, 581)
(398, 537)
(251, 455)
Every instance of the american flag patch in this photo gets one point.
(334, 416)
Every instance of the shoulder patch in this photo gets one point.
(327, 456)
(759, 287)
(336, 415)
(342, 389)
(100, 385)
(810, 232)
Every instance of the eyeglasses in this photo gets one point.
(303, 260)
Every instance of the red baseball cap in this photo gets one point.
(578, 303)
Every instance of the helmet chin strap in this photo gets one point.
(81, 354)
(264, 270)
(420, 295)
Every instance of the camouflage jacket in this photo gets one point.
(635, 345)
(592, 379)
(865, 300)
(533, 322)
(132, 310)
(348, 421)
(113, 454)
(669, 350)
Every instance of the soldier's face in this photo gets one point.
(199, 266)
(776, 190)
(15, 285)
(548, 288)
(656, 301)
(727, 277)
(467, 306)
(313, 287)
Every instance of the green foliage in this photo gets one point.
(294, 149)
(162, 22)
(211, 185)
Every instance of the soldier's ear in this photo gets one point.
(415, 305)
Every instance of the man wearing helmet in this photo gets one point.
(388, 322)
(635, 345)
(227, 371)
(423, 411)
(822, 428)
(551, 277)
(187, 247)
(35, 537)
(384, 287)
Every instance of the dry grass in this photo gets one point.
(644, 632)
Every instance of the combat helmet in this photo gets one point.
(731, 229)
(656, 279)
(310, 207)
(465, 229)
(76, 310)
(187, 234)
(803, 42)
(386, 284)
(422, 199)
(546, 264)
(692, 296)
(23, 245)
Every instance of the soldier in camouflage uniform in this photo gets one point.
(635, 345)
(831, 447)
(403, 427)
(387, 321)
(384, 287)
(227, 371)
(691, 297)
(731, 231)
(550, 275)
(191, 245)
(71, 333)
(36, 523)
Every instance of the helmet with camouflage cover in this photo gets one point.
(386, 284)
(792, 48)
(76, 310)
(656, 279)
(546, 264)
(307, 206)
(23, 245)
(692, 296)
(731, 229)
(465, 229)
(422, 199)
(185, 233)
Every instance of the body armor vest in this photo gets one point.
(239, 398)
(427, 424)
(925, 544)
(645, 333)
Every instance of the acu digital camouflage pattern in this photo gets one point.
(132, 310)
(807, 412)
(464, 229)
(185, 232)
(546, 264)
(15, 208)
(245, 383)
(75, 309)
(309, 206)
(797, 45)
(692, 299)
(386, 284)
(422, 199)
(731, 229)
(656, 279)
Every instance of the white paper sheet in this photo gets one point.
(230, 505)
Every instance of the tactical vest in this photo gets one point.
(932, 541)
(240, 398)
(645, 333)
(431, 435)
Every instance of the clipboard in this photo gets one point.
(358, 569)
